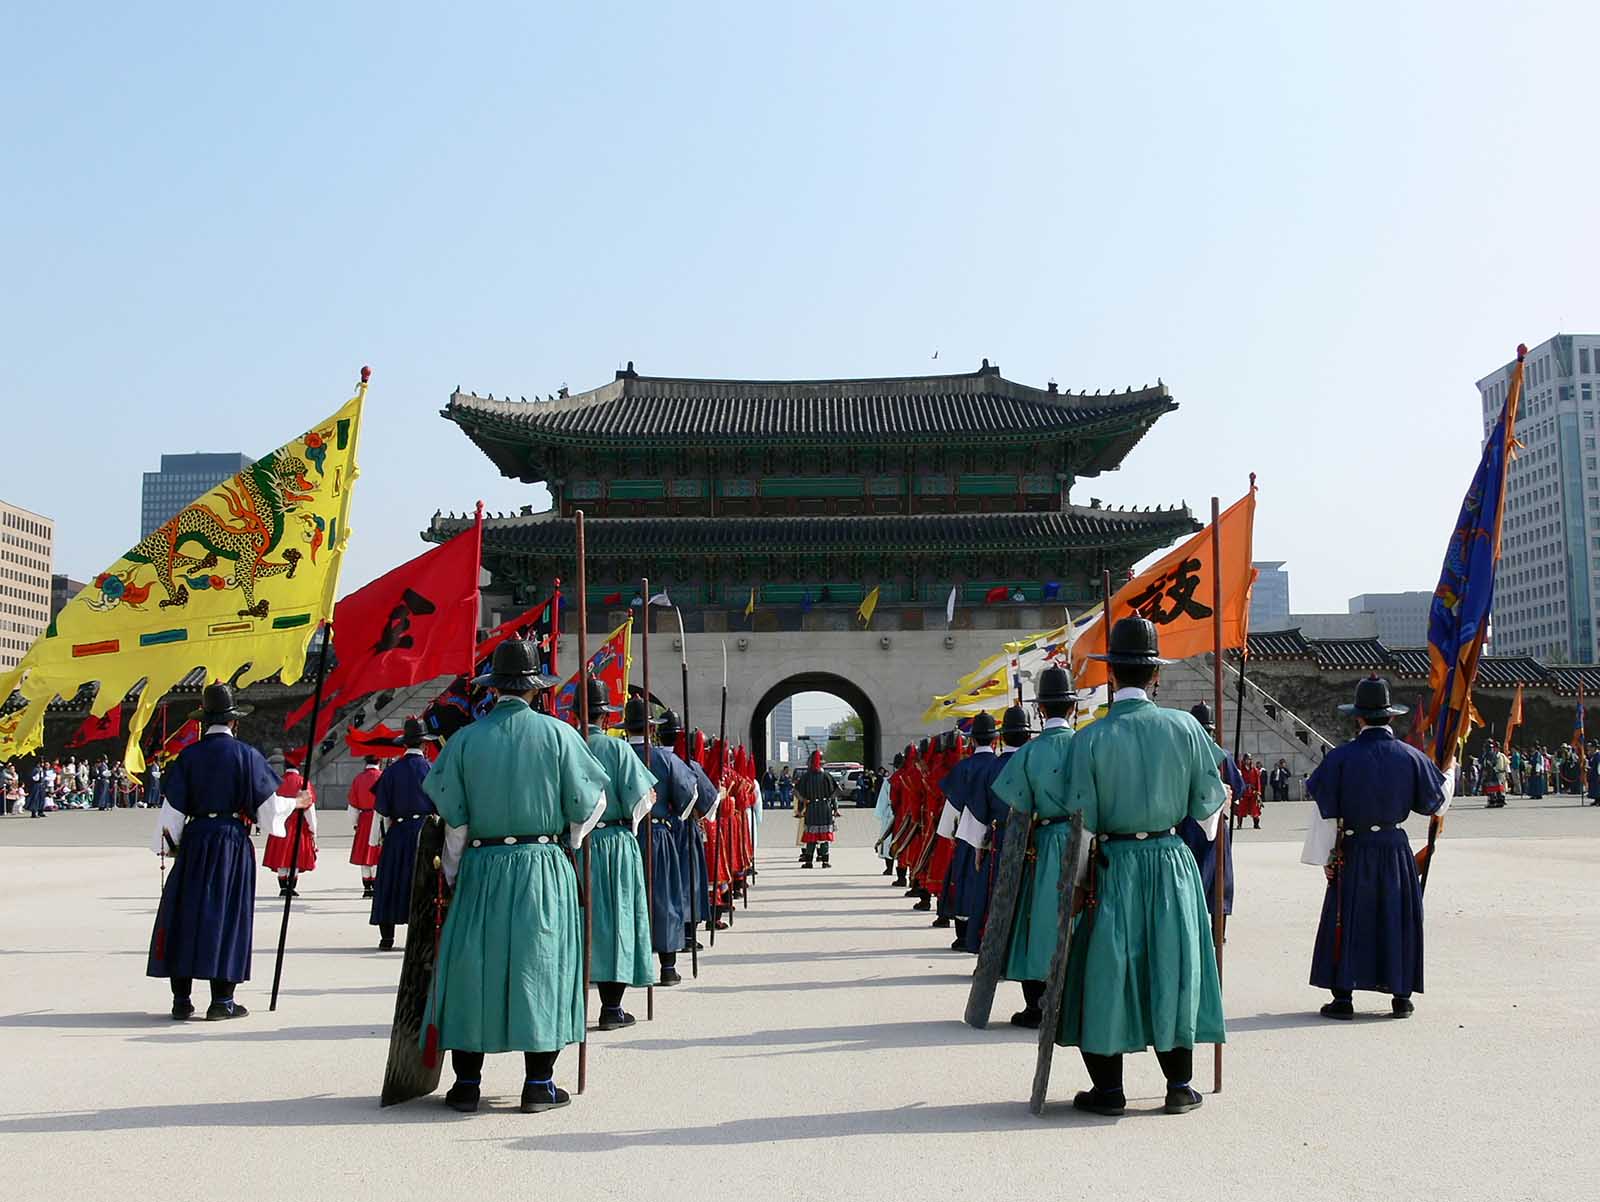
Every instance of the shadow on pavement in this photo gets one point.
(852, 983)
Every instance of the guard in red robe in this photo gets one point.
(1249, 805)
(281, 847)
(364, 848)
(936, 876)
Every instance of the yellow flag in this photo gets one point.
(238, 579)
(869, 604)
(750, 605)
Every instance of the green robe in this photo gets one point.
(620, 927)
(510, 970)
(1145, 975)
(1034, 781)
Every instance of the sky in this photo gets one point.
(1318, 224)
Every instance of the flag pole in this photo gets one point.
(1220, 876)
(649, 819)
(300, 827)
(583, 725)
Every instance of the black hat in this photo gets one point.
(217, 705)
(372, 761)
(922, 747)
(669, 727)
(1201, 713)
(1055, 687)
(514, 668)
(1133, 642)
(599, 699)
(983, 729)
(899, 760)
(412, 734)
(636, 716)
(1372, 700)
(1014, 722)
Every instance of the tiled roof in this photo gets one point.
(1279, 644)
(1411, 663)
(549, 534)
(697, 413)
(1346, 654)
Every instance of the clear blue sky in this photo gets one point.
(1318, 227)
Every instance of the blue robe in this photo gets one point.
(204, 923)
(691, 842)
(399, 797)
(658, 839)
(1375, 779)
(966, 787)
(1205, 850)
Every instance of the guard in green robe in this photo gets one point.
(620, 926)
(511, 788)
(1034, 781)
(1142, 971)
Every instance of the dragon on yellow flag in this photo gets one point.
(237, 580)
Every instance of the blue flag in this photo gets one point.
(1459, 619)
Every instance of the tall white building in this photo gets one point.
(1547, 592)
(27, 547)
(1401, 618)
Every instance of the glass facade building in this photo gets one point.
(184, 478)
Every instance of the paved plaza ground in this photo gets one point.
(819, 1055)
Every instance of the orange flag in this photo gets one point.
(1515, 720)
(1176, 593)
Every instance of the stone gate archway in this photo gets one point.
(819, 682)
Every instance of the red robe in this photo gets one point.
(1249, 806)
(279, 848)
(363, 852)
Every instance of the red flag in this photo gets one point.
(609, 665)
(418, 621)
(998, 593)
(94, 729)
(382, 741)
(186, 734)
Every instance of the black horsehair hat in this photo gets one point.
(1201, 712)
(983, 729)
(1372, 700)
(1134, 643)
(514, 668)
(1055, 687)
(670, 726)
(636, 716)
(599, 699)
(217, 705)
(1015, 721)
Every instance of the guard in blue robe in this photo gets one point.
(676, 792)
(400, 804)
(1370, 936)
(691, 838)
(983, 828)
(966, 792)
(1192, 833)
(212, 794)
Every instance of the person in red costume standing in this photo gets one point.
(281, 847)
(364, 849)
(819, 791)
(1249, 805)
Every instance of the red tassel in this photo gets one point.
(161, 944)
(430, 1046)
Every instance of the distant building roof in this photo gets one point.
(1412, 663)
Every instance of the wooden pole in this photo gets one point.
(649, 819)
(583, 725)
(1220, 876)
(299, 830)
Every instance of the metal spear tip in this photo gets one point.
(366, 373)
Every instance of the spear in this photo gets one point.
(1220, 878)
(683, 663)
(649, 819)
(583, 725)
(722, 763)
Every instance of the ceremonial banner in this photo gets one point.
(235, 583)
(869, 606)
(1176, 595)
(382, 741)
(1515, 720)
(610, 664)
(93, 730)
(1459, 620)
(418, 621)
(461, 701)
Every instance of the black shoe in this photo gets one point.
(182, 1008)
(827, 864)
(1338, 1008)
(283, 891)
(1182, 1099)
(386, 945)
(463, 1099)
(806, 864)
(910, 892)
(541, 1096)
(1028, 1018)
(900, 880)
(941, 923)
(669, 976)
(1401, 1007)
(957, 946)
(218, 1011)
(615, 1020)
(366, 892)
(890, 871)
(924, 904)
(1111, 1105)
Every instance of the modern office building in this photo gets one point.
(1548, 589)
(1402, 617)
(781, 740)
(1269, 599)
(27, 542)
(62, 590)
(183, 478)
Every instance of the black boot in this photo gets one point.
(1181, 1099)
(539, 1096)
(218, 1011)
(1103, 1102)
(1401, 1007)
(463, 1095)
(1340, 1007)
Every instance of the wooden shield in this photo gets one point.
(406, 1076)
(996, 945)
(1056, 982)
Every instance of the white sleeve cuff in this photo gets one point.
(1321, 836)
(694, 796)
(577, 832)
(168, 822)
(1209, 825)
(375, 831)
(273, 815)
(948, 818)
(1449, 791)
(970, 831)
(642, 807)
(311, 818)
(455, 845)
